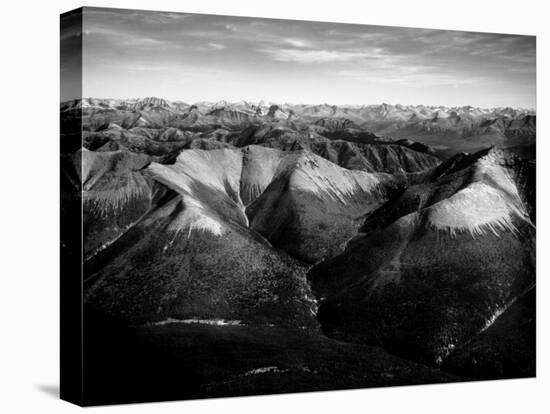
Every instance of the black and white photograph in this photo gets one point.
(276, 206)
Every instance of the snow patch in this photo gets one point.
(317, 175)
(216, 322)
(476, 209)
(194, 218)
(501, 310)
(488, 167)
(495, 315)
(264, 370)
(191, 217)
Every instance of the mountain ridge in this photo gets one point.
(403, 227)
(383, 108)
(442, 131)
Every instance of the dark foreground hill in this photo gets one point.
(192, 360)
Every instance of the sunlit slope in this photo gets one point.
(206, 248)
(298, 201)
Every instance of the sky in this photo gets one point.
(193, 57)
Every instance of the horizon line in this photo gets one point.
(302, 104)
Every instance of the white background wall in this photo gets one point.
(29, 73)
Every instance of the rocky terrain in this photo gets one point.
(444, 258)
(337, 247)
(159, 127)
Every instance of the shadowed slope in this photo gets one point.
(505, 348)
(164, 267)
(300, 202)
(373, 158)
(429, 268)
(313, 207)
(114, 193)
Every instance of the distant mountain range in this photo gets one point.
(443, 131)
(374, 112)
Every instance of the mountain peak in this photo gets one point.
(151, 102)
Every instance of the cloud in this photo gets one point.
(137, 67)
(298, 43)
(413, 77)
(143, 17)
(216, 46)
(157, 45)
(142, 41)
(128, 40)
(321, 55)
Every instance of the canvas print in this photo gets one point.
(256, 206)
